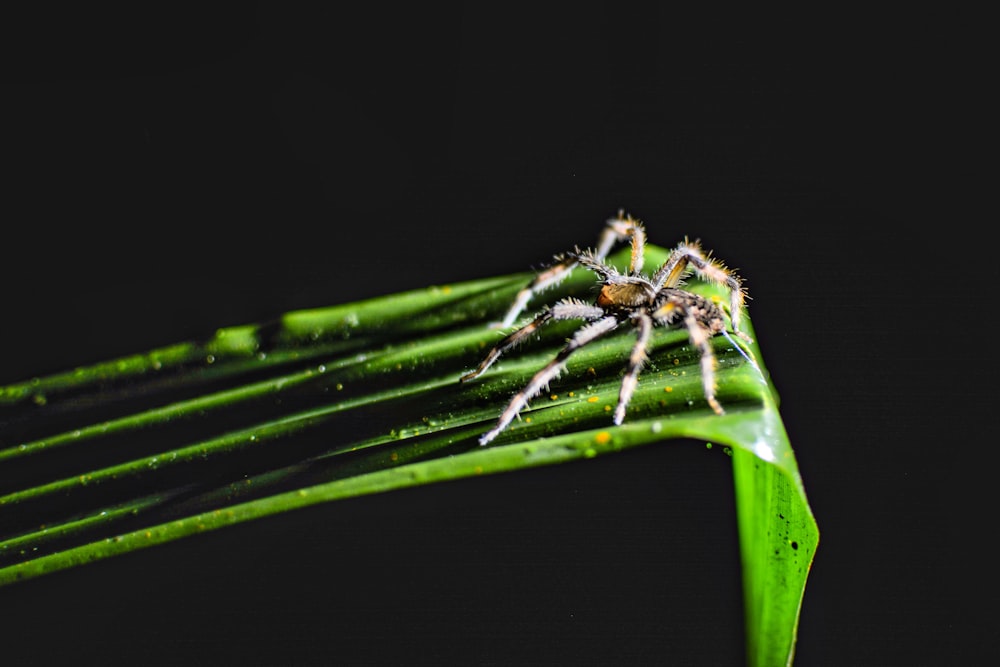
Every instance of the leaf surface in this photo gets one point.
(362, 398)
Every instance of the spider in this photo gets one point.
(634, 298)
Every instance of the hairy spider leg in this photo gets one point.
(544, 280)
(610, 275)
(615, 230)
(672, 271)
(586, 334)
(637, 359)
(619, 229)
(564, 309)
(700, 334)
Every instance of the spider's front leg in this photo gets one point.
(702, 320)
(617, 229)
(701, 338)
(690, 253)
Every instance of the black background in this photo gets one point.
(174, 170)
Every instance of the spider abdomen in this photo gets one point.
(623, 295)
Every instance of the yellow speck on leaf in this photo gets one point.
(593, 399)
(603, 438)
(668, 389)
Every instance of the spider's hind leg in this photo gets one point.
(547, 278)
(541, 379)
(565, 309)
(617, 229)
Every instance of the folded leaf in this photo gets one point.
(361, 398)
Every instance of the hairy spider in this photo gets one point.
(632, 297)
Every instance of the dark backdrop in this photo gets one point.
(170, 171)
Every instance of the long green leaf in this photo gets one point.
(361, 398)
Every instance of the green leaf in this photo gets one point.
(362, 398)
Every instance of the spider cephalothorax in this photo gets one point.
(632, 297)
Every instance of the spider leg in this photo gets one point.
(544, 280)
(619, 229)
(636, 360)
(565, 309)
(702, 339)
(615, 230)
(541, 379)
(589, 259)
(700, 331)
(637, 286)
(672, 271)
